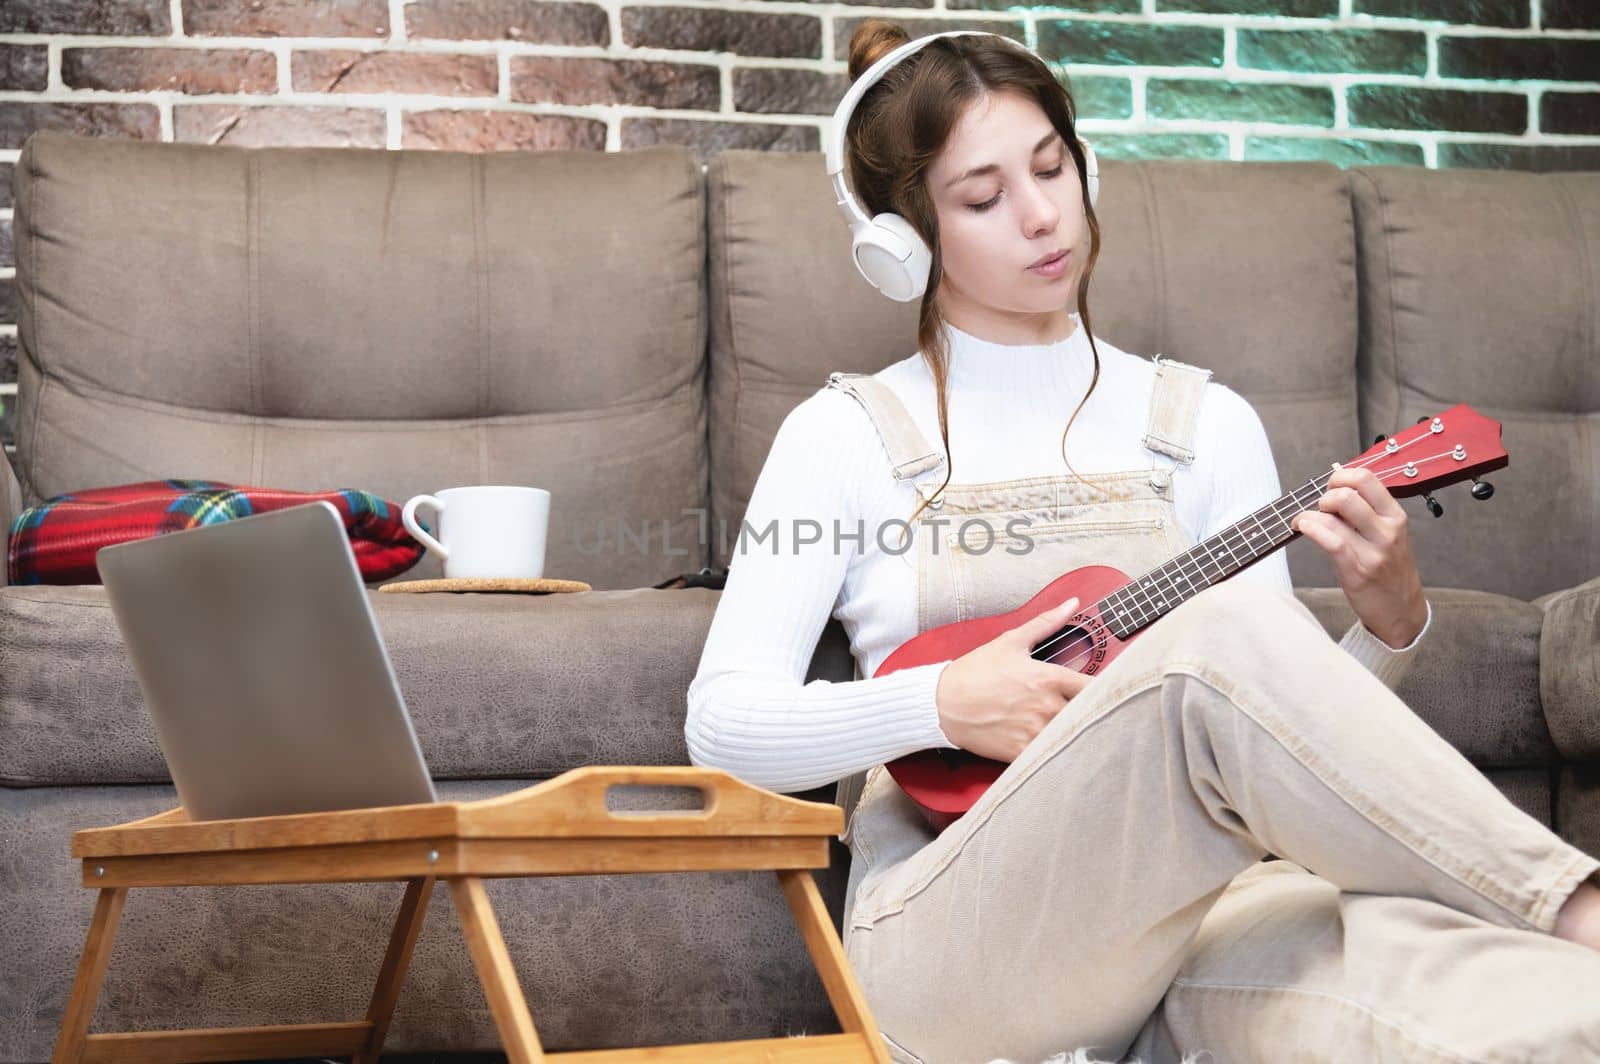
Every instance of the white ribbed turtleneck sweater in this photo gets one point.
(750, 710)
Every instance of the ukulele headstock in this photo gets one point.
(1454, 445)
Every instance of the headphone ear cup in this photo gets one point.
(892, 257)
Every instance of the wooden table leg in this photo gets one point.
(816, 926)
(407, 925)
(509, 1008)
(91, 972)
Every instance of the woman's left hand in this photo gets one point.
(1363, 529)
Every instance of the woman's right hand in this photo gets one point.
(995, 698)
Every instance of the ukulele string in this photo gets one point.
(1088, 642)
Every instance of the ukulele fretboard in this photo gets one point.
(1144, 600)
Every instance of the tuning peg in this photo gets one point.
(1380, 438)
(1433, 508)
(1481, 489)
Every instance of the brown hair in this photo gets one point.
(902, 123)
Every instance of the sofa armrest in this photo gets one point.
(1569, 669)
(10, 505)
(1475, 679)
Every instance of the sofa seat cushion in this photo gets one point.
(507, 686)
(1476, 675)
(525, 687)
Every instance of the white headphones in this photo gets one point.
(885, 247)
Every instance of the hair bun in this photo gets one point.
(872, 40)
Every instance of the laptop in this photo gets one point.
(262, 667)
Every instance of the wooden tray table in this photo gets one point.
(559, 827)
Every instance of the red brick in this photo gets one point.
(136, 121)
(286, 18)
(192, 70)
(708, 138)
(775, 90)
(255, 127)
(643, 82)
(500, 131)
(544, 22)
(702, 29)
(844, 28)
(23, 66)
(139, 17)
(414, 72)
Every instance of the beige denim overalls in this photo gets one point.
(1111, 891)
(1124, 519)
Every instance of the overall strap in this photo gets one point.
(909, 452)
(1174, 408)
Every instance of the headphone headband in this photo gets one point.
(833, 148)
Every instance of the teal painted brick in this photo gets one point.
(1335, 51)
(1570, 112)
(1459, 12)
(1097, 97)
(1295, 8)
(1570, 15)
(1093, 7)
(1411, 107)
(1160, 145)
(1301, 105)
(1130, 43)
(1542, 157)
(1342, 151)
(1548, 58)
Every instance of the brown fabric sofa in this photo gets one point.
(628, 331)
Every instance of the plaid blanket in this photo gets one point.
(55, 542)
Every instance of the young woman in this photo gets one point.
(1109, 893)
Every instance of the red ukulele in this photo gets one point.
(1456, 445)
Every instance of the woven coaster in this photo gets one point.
(543, 585)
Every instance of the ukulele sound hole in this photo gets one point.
(1073, 647)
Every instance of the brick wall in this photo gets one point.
(1477, 83)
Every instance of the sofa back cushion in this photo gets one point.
(1247, 269)
(396, 321)
(1483, 287)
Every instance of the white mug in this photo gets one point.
(485, 530)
